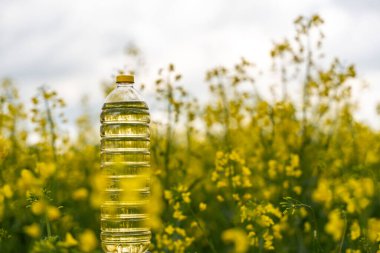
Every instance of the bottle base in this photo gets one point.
(126, 248)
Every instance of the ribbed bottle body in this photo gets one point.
(125, 162)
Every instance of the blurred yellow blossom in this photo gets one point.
(335, 224)
(268, 241)
(178, 215)
(28, 181)
(169, 229)
(323, 193)
(186, 197)
(168, 195)
(7, 191)
(87, 241)
(353, 251)
(374, 229)
(246, 171)
(238, 237)
(69, 241)
(53, 213)
(80, 194)
(202, 206)
(45, 169)
(33, 230)
(99, 183)
(38, 207)
(307, 227)
(355, 230)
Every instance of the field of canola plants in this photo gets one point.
(240, 173)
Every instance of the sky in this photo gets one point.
(72, 46)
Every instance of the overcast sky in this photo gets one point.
(73, 45)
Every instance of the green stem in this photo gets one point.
(51, 122)
(315, 230)
(48, 227)
(209, 242)
(344, 233)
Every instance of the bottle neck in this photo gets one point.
(125, 85)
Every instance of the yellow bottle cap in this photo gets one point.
(125, 79)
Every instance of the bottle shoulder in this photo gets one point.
(124, 94)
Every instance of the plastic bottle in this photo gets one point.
(125, 161)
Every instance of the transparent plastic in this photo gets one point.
(125, 161)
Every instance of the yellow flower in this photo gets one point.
(272, 164)
(368, 186)
(38, 207)
(219, 155)
(236, 197)
(249, 227)
(188, 241)
(99, 183)
(297, 189)
(236, 181)
(80, 194)
(202, 206)
(335, 225)
(323, 193)
(169, 229)
(220, 198)
(353, 251)
(53, 213)
(373, 229)
(45, 169)
(303, 212)
(270, 209)
(355, 230)
(265, 221)
(214, 176)
(186, 197)
(272, 169)
(247, 196)
(28, 181)
(221, 184)
(268, 241)
(363, 202)
(238, 237)
(168, 195)
(7, 191)
(87, 241)
(252, 238)
(69, 241)
(307, 227)
(33, 230)
(246, 182)
(294, 161)
(180, 231)
(246, 171)
(178, 215)
(5, 146)
(351, 207)
(1, 207)
(292, 171)
(277, 231)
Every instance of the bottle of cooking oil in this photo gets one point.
(125, 161)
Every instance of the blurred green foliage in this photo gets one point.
(240, 173)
